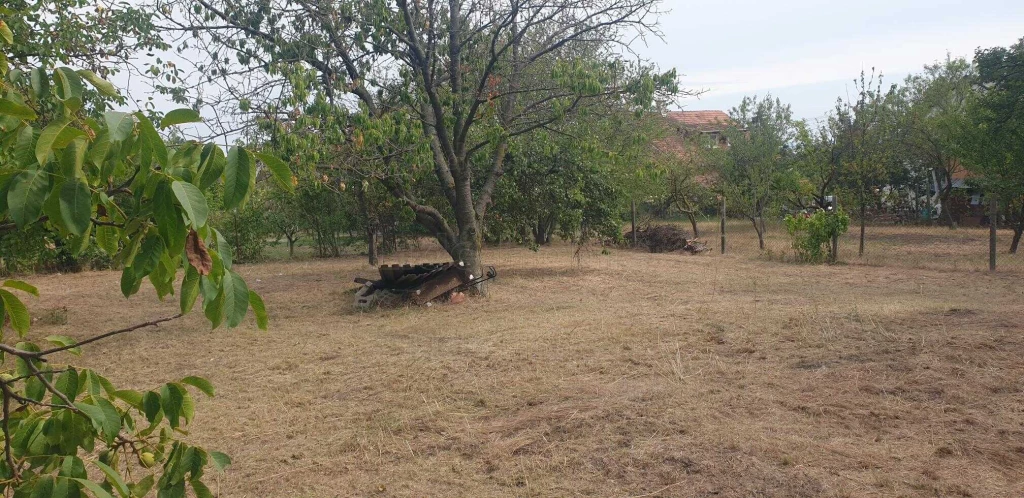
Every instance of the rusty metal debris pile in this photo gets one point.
(421, 284)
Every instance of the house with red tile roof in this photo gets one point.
(710, 125)
(689, 130)
(685, 126)
(969, 206)
(702, 121)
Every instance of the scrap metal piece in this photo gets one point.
(439, 284)
(419, 284)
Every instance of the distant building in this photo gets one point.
(690, 130)
(968, 201)
(710, 126)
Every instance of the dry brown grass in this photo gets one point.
(631, 374)
(904, 247)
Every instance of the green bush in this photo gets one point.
(39, 250)
(246, 228)
(813, 233)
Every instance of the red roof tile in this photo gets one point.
(961, 174)
(700, 120)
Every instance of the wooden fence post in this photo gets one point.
(993, 219)
(835, 237)
(723, 224)
(371, 245)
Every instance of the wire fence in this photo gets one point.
(909, 246)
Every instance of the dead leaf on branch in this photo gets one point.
(197, 254)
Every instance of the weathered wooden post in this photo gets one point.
(863, 223)
(832, 206)
(633, 217)
(993, 217)
(371, 245)
(723, 223)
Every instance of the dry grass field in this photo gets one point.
(627, 374)
(908, 246)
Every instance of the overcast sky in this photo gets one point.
(808, 51)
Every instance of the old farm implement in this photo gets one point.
(420, 284)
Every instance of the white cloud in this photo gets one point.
(842, 59)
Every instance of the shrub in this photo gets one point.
(246, 228)
(813, 233)
(39, 250)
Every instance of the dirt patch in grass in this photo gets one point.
(630, 374)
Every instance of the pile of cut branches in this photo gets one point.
(666, 238)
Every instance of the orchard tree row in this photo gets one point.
(897, 149)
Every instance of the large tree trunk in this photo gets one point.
(1018, 230)
(470, 238)
(948, 205)
(464, 244)
(945, 196)
(469, 252)
(540, 235)
(542, 231)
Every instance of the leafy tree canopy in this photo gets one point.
(108, 178)
(97, 36)
(451, 82)
(992, 142)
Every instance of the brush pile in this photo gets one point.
(666, 238)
